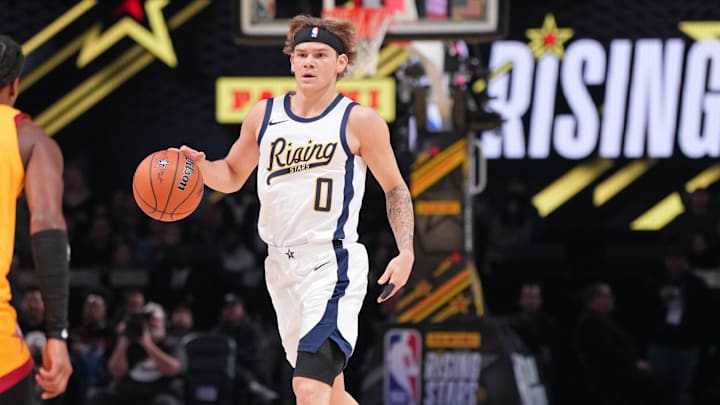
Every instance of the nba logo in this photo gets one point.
(403, 367)
(314, 32)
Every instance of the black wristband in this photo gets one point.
(60, 334)
(51, 254)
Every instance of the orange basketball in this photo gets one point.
(167, 185)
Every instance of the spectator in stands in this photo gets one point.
(171, 267)
(237, 324)
(133, 302)
(613, 369)
(515, 222)
(678, 324)
(704, 251)
(78, 203)
(90, 345)
(123, 256)
(512, 223)
(535, 325)
(210, 224)
(32, 321)
(236, 256)
(124, 215)
(92, 342)
(147, 244)
(32, 310)
(537, 329)
(96, 251)
(181, 323)
(142, 362)
(240, 269)
(698, 217)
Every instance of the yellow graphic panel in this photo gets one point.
(234, 96)
(620, 180)
(453, 340)
(569, 185)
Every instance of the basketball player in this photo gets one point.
(31, 161)
(312, 147)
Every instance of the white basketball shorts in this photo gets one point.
(317, 291)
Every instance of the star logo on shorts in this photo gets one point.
(290, 254)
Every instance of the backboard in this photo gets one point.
(265, 22)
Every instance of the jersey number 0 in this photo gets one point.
(323, 194)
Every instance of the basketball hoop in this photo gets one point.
(371, 24)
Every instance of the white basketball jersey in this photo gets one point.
(309, 183)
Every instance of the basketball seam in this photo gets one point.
(140, 197)
(172, 186)
(152, 189)
(190, 194)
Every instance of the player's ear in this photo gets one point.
(342, 63)
(14, 88)
(292, 61)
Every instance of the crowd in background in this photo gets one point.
(639, 329)
(610, 318)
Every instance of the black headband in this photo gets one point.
(317, 34)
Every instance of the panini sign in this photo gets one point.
(236, 95)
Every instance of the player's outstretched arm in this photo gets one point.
(374, 146)
(48, 231)
(229, 174)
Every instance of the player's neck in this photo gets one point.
(9, 93)
(5, 98)
(306, 104)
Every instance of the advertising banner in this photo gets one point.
(460, 363)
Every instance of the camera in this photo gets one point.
(135, 323)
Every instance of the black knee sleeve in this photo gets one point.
(323, 365)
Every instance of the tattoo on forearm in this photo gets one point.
(400, 215)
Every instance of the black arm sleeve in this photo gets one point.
(51, 253)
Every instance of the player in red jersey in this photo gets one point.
(32, 162)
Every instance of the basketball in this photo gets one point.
(167, 185)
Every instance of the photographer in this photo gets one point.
(142, 362)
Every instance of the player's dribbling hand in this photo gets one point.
(193, 154)
(56, 369)
(396, 275)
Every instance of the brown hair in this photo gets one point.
(344, 30)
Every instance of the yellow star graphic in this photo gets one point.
(700, 30)
(461, 304)
(548, 38)
(157, 41)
